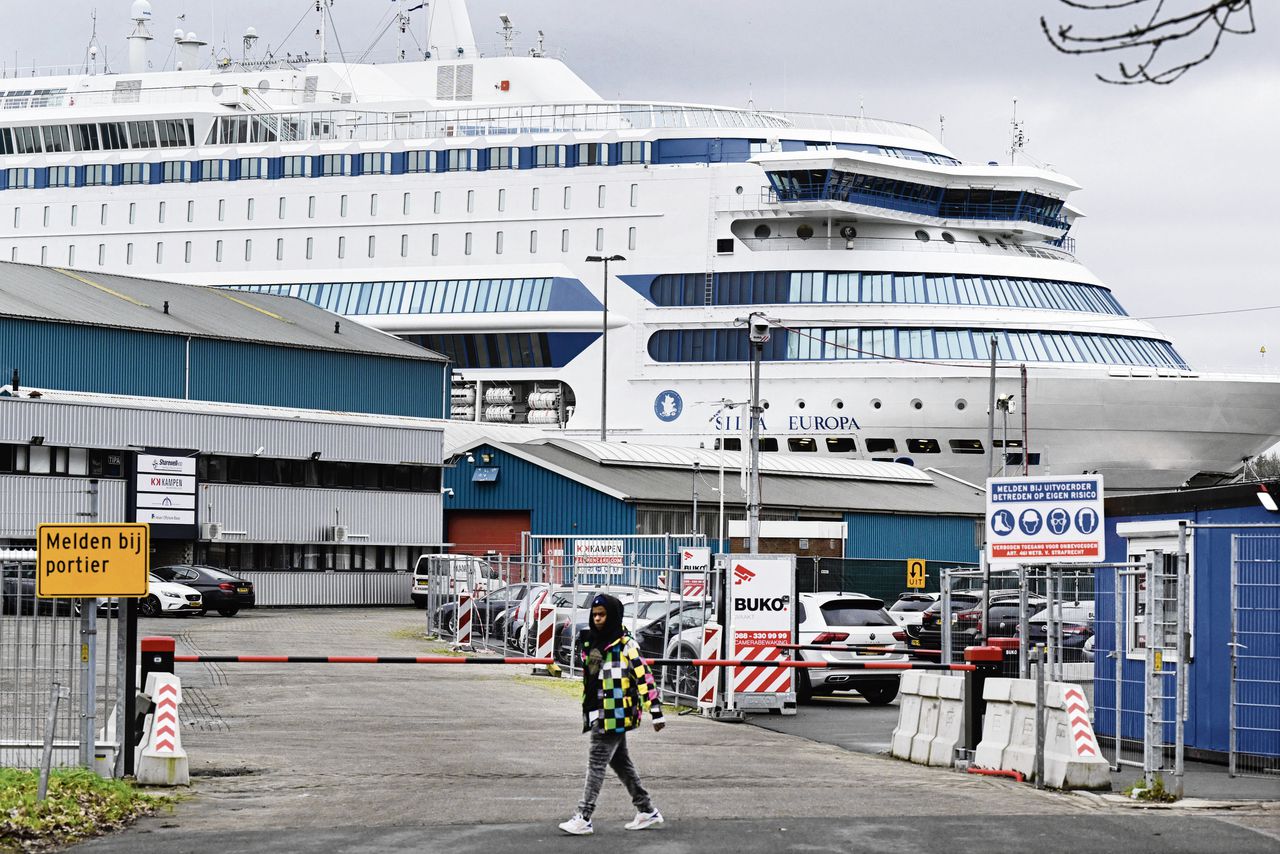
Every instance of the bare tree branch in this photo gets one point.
(1161, 31)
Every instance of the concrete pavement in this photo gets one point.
(470, 757)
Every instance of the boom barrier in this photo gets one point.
(486, 659)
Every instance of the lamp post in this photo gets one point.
(604, 340)
(758, 333)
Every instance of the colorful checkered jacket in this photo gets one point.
(622, 671)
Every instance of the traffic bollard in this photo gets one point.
(988, 661)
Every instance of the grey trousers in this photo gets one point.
(610, 749)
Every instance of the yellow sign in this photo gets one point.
(93, 560)
(915, 573)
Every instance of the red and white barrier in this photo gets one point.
(160, 760)
(761, 680)
(462, 638)
(709, 677)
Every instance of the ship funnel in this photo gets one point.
(451, 36)
(188, 49)
(140, 13)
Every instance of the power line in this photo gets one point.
(1210, 313)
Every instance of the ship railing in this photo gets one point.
(904, 244)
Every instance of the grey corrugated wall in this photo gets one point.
(30, 500)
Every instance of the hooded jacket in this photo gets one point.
(615, 672)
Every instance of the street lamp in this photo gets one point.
(604, 339)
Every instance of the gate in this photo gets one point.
(45, 662)
(1255, 655)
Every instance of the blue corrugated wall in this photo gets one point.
(87, 358)
(903, 536)
(1209, 673)
(287, 376)
(118, 361)
(557, 504)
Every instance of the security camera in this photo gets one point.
(471, 458)
(260, 451)
(758, 328)
(448, 490)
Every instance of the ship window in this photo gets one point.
(102, 254)
(548, 156)
(635, 152)
(175, 171)
(881, 446)
(923, 446)
(593, 154)
(466, 244)
(133, 173)
(841, 445)
(803, 445)
(62, 176)
(27, 140)
(85, 137)
(435, 244)
(248, 249)
(635, 195)
(335, 164)
(983, 240)
(922, 235)
(948, 237)
(372, 243)
(502, 200)
(419, 161)
(375, 164)
(564, 240)
(631, 238)
(253, 167)
(217, 252)
(342, 247)
(599, 239)
(497, 244)
(128, 253)
(724, 245)
(142, 135)
(97, 175)
(533, 242)
(568, 197)
(56, 138)
(966, 446)
(768, 444)
(459, 160)
(342, 205)
(404, 246)
(186, 252)
(112, 135)
(310, 247)
(294, 167)
(504, 158)
(373, 204)
(728, 444)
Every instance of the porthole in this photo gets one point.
(949, 237)
(764, 404)
(762, 231)
(838, 403)
(217, 89)
(983, 240)
(738, 189)
(264, 85)
(917, 404)
(799, 404)
(961, 403)
(922, 235)
(876, 404)
(1000, 243)
(804, 232)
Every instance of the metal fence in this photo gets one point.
(1255, 656)
(46, 660)
(882, 579)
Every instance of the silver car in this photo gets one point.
(848, 619)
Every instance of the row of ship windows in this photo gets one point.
(843, 343)
(407, 206)
(431, 297)
(226, 250)
(849, 445)
(97, 136)
(782, 287)
(309, 166)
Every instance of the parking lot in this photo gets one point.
(479, 757)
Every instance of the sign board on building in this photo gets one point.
(93, 559)
(695, 563)
(1045, 519)
(761, 607)
(164, 492)
(915, 574)
(599, 557)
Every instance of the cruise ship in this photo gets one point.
(467, 202)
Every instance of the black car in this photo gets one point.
(925, 640)
(220, 590)
(18, 593)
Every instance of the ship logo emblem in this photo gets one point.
(668, 405)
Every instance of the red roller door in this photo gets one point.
(478, 532)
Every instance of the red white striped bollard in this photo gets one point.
(709, 677)
(462, 638)
(546, 639)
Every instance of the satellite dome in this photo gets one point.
(140, 10)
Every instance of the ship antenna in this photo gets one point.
(508, 34)
(322, 8)
(93, 48)
(942, 129)
(1018, 140)
(537, 51)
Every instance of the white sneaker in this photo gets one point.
(579, 826)
(643, 820)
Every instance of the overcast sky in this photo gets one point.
(1181, 183)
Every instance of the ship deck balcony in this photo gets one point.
(904, 244)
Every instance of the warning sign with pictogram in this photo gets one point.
(915, 574)
(762, 617)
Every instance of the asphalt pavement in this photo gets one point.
(459, 758)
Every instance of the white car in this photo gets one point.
(169, 597)
(910, 607)
(855, 619)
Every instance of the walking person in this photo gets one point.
(614, 674)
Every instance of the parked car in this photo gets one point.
(652, 605)
(854, 619)
(221, 591)
(909, 608)
(1077, 629)
(18, 594)
(169, 597)
(925, 640)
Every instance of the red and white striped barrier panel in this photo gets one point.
(758, 677)
(462, 637)
(709, 677)
(1082, 737)
(160, 760)
(545, 643)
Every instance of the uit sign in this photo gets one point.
(1045, 519)
(92, 560)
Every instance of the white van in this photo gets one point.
(445, 573)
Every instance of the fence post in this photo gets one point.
(1040, 718)
(1152, 702)
(1121, 643)
(1184, 653)
(1234, 647)
(946, 616)
(50, 726)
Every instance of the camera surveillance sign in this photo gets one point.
(1045, 519)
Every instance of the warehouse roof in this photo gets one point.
(52, 294)
(832, 485)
